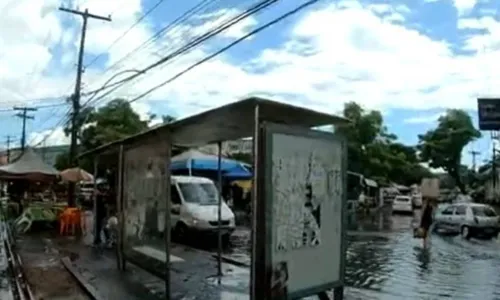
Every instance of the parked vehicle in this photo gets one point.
(194, 208)
(402, 204)
(468, 219)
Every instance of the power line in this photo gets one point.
(190, 12)
(190, 45)
(182, 17)
(125, 32)
(37, 107)
(234, 43)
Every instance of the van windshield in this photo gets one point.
(201, 193)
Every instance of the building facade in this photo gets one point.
(230, 147)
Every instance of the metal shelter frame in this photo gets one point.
(240, 119)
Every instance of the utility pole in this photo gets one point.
(75, 98)
(8, 147)
(474, 154)
(24, 115)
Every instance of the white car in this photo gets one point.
(402, 204)
(468, 219)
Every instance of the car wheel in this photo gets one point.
(436, 227)
(181, 231)
(465, 232)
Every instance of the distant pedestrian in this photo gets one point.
(426, 220)
(100, 211)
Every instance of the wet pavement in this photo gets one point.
(6, 290)
(384, 262)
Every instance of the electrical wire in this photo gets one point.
(125, 32)
(232, 44)
(36, 107)
(189, 13)
(190, 45)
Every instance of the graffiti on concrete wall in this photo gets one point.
(144, 191)
(306, 181)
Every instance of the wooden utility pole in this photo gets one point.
(8, 147)
(75, 98)
(474, 154)
(24, 115)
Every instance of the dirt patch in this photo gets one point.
(45, 272)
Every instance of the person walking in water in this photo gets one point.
(426, 220)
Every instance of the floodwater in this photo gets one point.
(384, 261)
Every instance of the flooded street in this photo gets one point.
(384, 261)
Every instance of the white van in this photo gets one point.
(194, 208)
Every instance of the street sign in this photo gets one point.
(489, 113)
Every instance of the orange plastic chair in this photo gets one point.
(69, 220)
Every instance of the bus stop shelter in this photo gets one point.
(300, 179)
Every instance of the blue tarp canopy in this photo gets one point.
(195, 160)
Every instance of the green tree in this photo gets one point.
(62, 161)
(374, 152)
(168, 119)
(112, 122)
(96, 127)
(442, 146)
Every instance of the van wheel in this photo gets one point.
(181, 231)
(465, 232)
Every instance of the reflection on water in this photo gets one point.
(393, 265)
(399, 267)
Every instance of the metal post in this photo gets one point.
(121, 217)
(219, 214)
(94, 199)
(167, 224)
(190, 169)
(255, 293)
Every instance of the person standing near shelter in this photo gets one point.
(100, 211)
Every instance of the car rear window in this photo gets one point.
(483, 211)
(400, 199)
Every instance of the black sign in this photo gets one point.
(489, 113)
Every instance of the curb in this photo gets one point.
(87, 287)
(232, 261)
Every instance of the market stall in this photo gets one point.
(29, 179)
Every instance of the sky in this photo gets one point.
(410, 59)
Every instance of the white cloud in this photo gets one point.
(433, 170)
(488, 40)
(142, 109)
(49, 137)
(340, 52)
(464, 6)
(426, 119)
